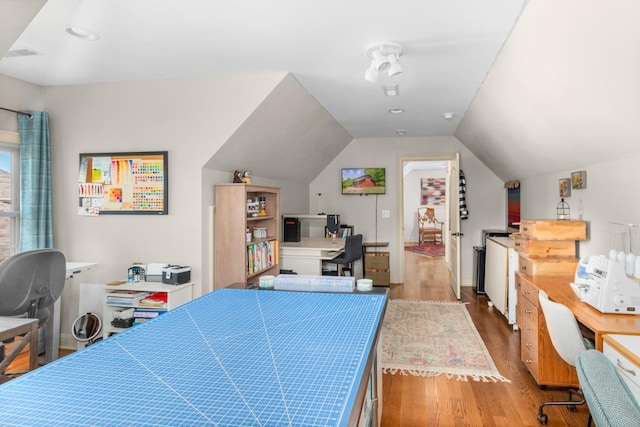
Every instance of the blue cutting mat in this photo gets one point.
(230, 358)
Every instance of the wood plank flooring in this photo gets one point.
(416, 401)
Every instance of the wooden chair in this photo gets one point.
(429, 227)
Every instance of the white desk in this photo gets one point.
(306, 256)
(52, 327)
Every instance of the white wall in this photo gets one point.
(486, 197)
(170, 115)
(611, 196)
(412, 202)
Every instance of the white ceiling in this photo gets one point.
(449, 46)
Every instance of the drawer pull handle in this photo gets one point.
(525, 229)
(627, 370)
(527, 291)
(528, 345)
(527, 328)
(527, 312)
(529, 361)
(524, 268)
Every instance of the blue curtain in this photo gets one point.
(36, 225)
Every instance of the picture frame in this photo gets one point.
(565, 187)
(133, 183)
(579, 180)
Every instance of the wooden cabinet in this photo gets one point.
(537, 351)
(377, 268)
(176, 296)
(239, 259)
(546, 248)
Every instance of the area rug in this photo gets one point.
(427, 250)
(427, 338)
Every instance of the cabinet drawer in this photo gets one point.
(628, 370)
(527, 290)
(545, 248)
(553, 229)
(376, 261)
(529, 316)
(530, 354)
(547, 266)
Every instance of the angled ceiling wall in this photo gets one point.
(563, 93)
(290, 136)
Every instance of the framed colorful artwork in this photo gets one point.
(432, 191)
(565, 187)
(123, 183)
(579, 180)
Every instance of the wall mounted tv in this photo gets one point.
(363, 181)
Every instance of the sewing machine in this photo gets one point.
(602, 283)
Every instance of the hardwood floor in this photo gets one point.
(416, 401)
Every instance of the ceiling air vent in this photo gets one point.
(21, 52)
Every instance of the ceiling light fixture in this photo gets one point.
(448, 116)
(396, 110)
(82, 33)
(384, 57)
(401, 132)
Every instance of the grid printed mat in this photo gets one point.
(230, 358)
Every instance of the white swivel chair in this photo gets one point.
(568, 341)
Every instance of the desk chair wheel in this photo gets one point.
(542, 419)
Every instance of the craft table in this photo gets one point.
(233, 357)
(11, 327)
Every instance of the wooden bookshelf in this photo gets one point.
(238, 260)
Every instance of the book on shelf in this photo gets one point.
(261, 255)
(124, 294)
(158, 299)
(147, 313)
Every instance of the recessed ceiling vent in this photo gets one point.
(21, 52)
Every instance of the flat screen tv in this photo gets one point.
(363, 181)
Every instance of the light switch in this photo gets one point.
(386, 214)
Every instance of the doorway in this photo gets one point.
(413, 173)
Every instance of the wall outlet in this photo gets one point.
(386, 214)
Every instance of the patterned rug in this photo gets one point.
(427, 250)
(429, 338)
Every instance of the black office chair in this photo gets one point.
(352, 252)
(30, 282)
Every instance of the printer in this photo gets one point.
(602, 283)
(176, 275)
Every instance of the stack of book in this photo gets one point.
(158, 299)
(141, 315)
(125, 297)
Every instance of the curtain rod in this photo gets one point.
(29, 115)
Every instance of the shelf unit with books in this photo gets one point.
(125, 299)
(241, 253)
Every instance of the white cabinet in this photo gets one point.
(176, 296)
(624, 353)
(499, 279)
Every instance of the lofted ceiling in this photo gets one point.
(448, 48)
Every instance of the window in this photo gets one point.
(9, 196)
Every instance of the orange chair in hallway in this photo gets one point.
(429, 227)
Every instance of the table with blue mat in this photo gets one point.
(233, 357)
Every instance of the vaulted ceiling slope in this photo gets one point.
(15, 16)
(564, 93)
(289, 136)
